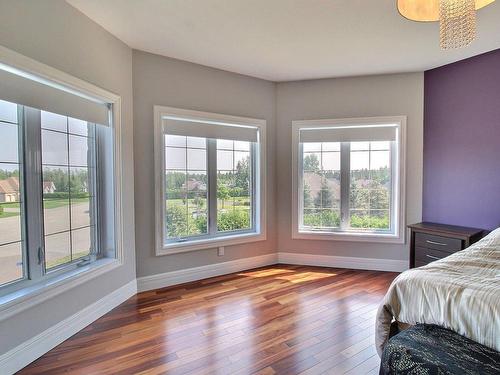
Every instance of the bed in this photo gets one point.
(460, 292)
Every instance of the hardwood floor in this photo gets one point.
(273, 320)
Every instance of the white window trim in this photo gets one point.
(11, 304)
(399, 235)
(161, 112)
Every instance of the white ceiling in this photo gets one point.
(283, 40)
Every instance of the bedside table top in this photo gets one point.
(446, 230)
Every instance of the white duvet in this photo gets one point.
(460, 292)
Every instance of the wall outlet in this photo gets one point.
(220, 251)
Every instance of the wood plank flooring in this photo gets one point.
(274, 320)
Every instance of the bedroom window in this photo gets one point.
(349, 179)
(57, 181)
(210, 180)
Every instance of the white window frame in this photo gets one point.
(399, 183)
(259, 234)
(35, 293)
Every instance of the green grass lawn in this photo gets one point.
(8, 214)
(4, 213)
(54, 203)
(47, 204)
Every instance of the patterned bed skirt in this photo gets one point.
(432, 350)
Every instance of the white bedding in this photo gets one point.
(460, 292)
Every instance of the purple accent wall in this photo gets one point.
(462, 143)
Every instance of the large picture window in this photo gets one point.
(210, 170)
(349, 178)
(57, 180)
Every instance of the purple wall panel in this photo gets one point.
(462, 143)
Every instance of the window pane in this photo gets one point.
(234, 190)
(54, 121)
(312, 198)
(197, 213)
(360, 146)
(241, 146)
(79, 127)
(196, 142)
(54, 148)
(241, 160)
(331, 146)
(196, 159)
(331, 161)
(80, 183)
(10, 222)
(380, 145)
(186, 195)
(55, 182)
(223, 144)
(311, 147)
(175, 180)
(68, 189)
(321, 186)
(360, 160)
(380, 160)
(9, 137)
(370, 189)
(175, 158)
(175, 140)
(225, 160)
(312, 161)
(78, 150)
(11, 261)
(196, 181)
(8, 111)
(11, 233)
(57, 249)
(80, 242)
(80, 212)
(56, 215)
(176, 216)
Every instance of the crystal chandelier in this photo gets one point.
(457, 18)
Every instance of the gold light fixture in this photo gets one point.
(457, 18)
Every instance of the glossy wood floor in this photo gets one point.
(272, 320)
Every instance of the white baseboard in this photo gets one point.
(375, 264)
(163, 280)
(25, 353)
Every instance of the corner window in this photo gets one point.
(210, 172)
(349, 179)
(56, 180)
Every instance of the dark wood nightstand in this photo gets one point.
(430, 241)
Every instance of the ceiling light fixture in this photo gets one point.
(457, 18)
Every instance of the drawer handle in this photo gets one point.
(432, 257)
(436, 243)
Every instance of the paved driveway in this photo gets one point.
(57, 246)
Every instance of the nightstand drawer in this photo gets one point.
(440, 243)
(433, 241)
(425, 255)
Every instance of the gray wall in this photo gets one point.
(54, 33)
(384, 95)
(159, 80)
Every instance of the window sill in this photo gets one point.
(25, 298)
(205, 244)
(349, 236)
